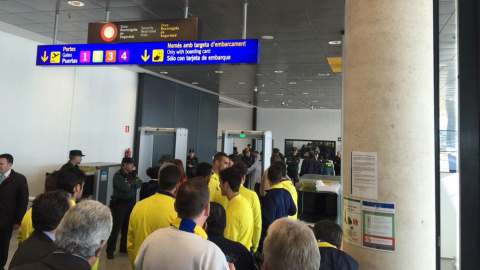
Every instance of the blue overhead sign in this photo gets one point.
(245, 51)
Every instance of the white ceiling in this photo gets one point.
(299, 50)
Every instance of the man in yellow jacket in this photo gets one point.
(220, 162)
(239, 212)
(154, 212)
(252, 199)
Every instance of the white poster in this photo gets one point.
(352, 221)
(364, 179)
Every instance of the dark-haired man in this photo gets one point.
(183, 245)
(204, 170)
(13, 203)
(70, 180)
(125, 185)
(154, 212)
(74, 158)
(220, 162)
(326, 166)
(330, 243)
(278, 202)
(239, 212)
(292, 162)
(48, 210)
(216, 223)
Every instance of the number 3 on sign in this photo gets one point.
(124, 56)
(111, 57)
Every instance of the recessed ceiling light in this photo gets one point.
(267, 37)
(262, 93)
(258, 74)
(163, 72)
(315, 101)
(194, 82)
(305, 93)
(222, 92)
(279, 94)
(334, 42)
(278, 71)
(266, 100)
(308, 80)
(241, 82)
(292, 82)
(218, 71)
(322, 74)
(76, 3)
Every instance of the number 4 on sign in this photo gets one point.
(145, 57)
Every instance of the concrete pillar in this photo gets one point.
(389, 109)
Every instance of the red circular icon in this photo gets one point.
(109, 32)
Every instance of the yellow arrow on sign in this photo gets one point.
(145, 57)
(44, 57)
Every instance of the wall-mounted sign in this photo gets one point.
(143, 31)
(378, 225)
(245, 51)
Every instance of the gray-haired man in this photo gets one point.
(80, 238)
(290, 245)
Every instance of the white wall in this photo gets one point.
(236, 119)
(300, 124)
(46, 111)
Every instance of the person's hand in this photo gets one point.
(231, 266)
(16, 227)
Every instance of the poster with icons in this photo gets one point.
(153, 53)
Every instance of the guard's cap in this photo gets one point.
(128, 160)
(191, 150)
(76, 153)
(276, 150)
(294, 149)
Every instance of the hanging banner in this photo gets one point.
(143, 31)
(364, 179)
(378, 225)
(352, 221)
(244, 51)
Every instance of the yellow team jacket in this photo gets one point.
(149, 215)
(213, 185)
(26, 229)
(254, 202)
(288, 185)
(239, 221)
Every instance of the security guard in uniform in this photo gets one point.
(192, 163)
(125, 185)
(75, 158)
(292, 162)
(326, 166)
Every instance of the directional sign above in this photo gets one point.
(154, 53)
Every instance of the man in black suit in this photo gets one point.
(13, 203)
(79, 240)
(48, 210)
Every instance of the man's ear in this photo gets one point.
(265, 267)
(99, 250)
(207, 210)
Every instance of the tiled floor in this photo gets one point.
(120, 262)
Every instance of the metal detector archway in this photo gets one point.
(145, 149)
(265, 135)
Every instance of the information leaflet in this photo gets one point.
(378, 225)
(364, 179)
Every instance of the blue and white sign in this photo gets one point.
(245, 51)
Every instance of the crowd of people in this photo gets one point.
(197, 216)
